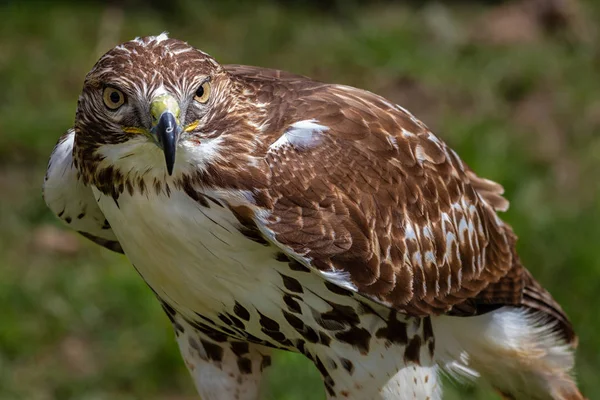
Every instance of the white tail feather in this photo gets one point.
(518, 352)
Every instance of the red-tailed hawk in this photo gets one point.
(270, 211)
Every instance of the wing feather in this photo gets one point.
(71, 200)
(384, 204)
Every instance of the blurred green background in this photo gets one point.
(513, 86)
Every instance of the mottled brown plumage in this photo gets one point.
(352, 228)
(398, 174)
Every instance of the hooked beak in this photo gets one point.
(165, 126)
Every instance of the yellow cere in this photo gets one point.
(163, 103)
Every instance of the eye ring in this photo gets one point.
(202, 93)
(113, 98)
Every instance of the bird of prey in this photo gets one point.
(270, 211)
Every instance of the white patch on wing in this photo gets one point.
(302, 134)
(422, 155)
(339, 278)
(393, 141)
(407, 134)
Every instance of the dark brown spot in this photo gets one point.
(187, 187)
(240, 348)
(178, 328)
(340, 317)
(337, 290)
(208, 331)
(428, 335)
(68, 220)
(213, 351)
(431, 347)
(194, 345)
(329, 388)
(347, 364)
(294, 321)
(170, 316)
(236, 322)
(169, 310)
(277, 336)
(81, 215)
(310, 334)
(142, 186)
(265, 362)
(427, 329)
(307, 332)
(292, 304)
(241, 312)
(245, 365)
(282, 257)
(356, 337)
(225, 319)
(332, 364)
(217, 202)
(129, 187)
(411, 353)
(205, 319)
(324, 339)
(296, 266)
(365, 309)
(300, 346)
(329, 382)
(292, 284)
(268, 323)
(395, 331)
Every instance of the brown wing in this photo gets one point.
(263, 74)
(383, 200)
(384, 207)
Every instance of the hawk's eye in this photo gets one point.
(113, 98)
(202, 93)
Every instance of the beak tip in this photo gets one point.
(170, 161)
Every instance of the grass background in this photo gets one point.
(513, 88)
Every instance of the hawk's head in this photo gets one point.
(153, 106)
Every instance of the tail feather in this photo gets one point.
(520, 289)
(519, 352)
(536, 298)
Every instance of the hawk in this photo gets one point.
(270, 211)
